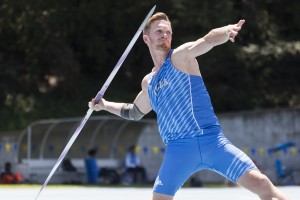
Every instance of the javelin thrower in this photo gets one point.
(175, 90)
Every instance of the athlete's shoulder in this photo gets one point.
(181, 60)
(183, 49)
(145, 82)
(181, 53)
(146, 78)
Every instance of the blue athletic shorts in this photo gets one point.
(212, 151)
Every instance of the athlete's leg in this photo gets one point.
(157, 196)
(236, 166)
(221, 156)
(261, 185)
(181, 160)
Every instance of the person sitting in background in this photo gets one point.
(92, 170)
(133, 165)
(68, 166)
(8, 177)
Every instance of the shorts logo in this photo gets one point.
(157, 182)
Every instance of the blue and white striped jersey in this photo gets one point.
(181, 102)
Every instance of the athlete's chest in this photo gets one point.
(168, 83)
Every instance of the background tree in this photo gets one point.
(55, 55)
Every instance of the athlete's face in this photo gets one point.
(160, 35)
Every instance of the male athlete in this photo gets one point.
(186, 120)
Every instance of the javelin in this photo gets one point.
(98, 97)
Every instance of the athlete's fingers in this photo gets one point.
(241, 22)
(233, 33)
(92, 103)
(236, 28)
(97, 107)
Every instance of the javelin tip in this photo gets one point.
(152, 10)
(146, 19)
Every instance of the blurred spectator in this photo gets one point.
(68, 166)
(106, 175)
(8, 177)
(92, 170)
(133, 166)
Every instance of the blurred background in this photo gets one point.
(56, 55)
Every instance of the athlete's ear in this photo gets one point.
(146, 38)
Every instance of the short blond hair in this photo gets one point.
(154, 18)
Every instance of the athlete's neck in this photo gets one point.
(159, 57)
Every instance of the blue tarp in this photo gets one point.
(282, 147)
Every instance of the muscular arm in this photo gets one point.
(184, 57)
(213, 38)
(141, 102)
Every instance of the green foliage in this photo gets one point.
(55, 55)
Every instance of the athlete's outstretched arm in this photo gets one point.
(135, 111)
(213, 38)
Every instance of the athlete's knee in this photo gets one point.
(267, 190)
(255, 181)
(261, 181)
(264, 183)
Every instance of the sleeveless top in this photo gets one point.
(181, 102)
